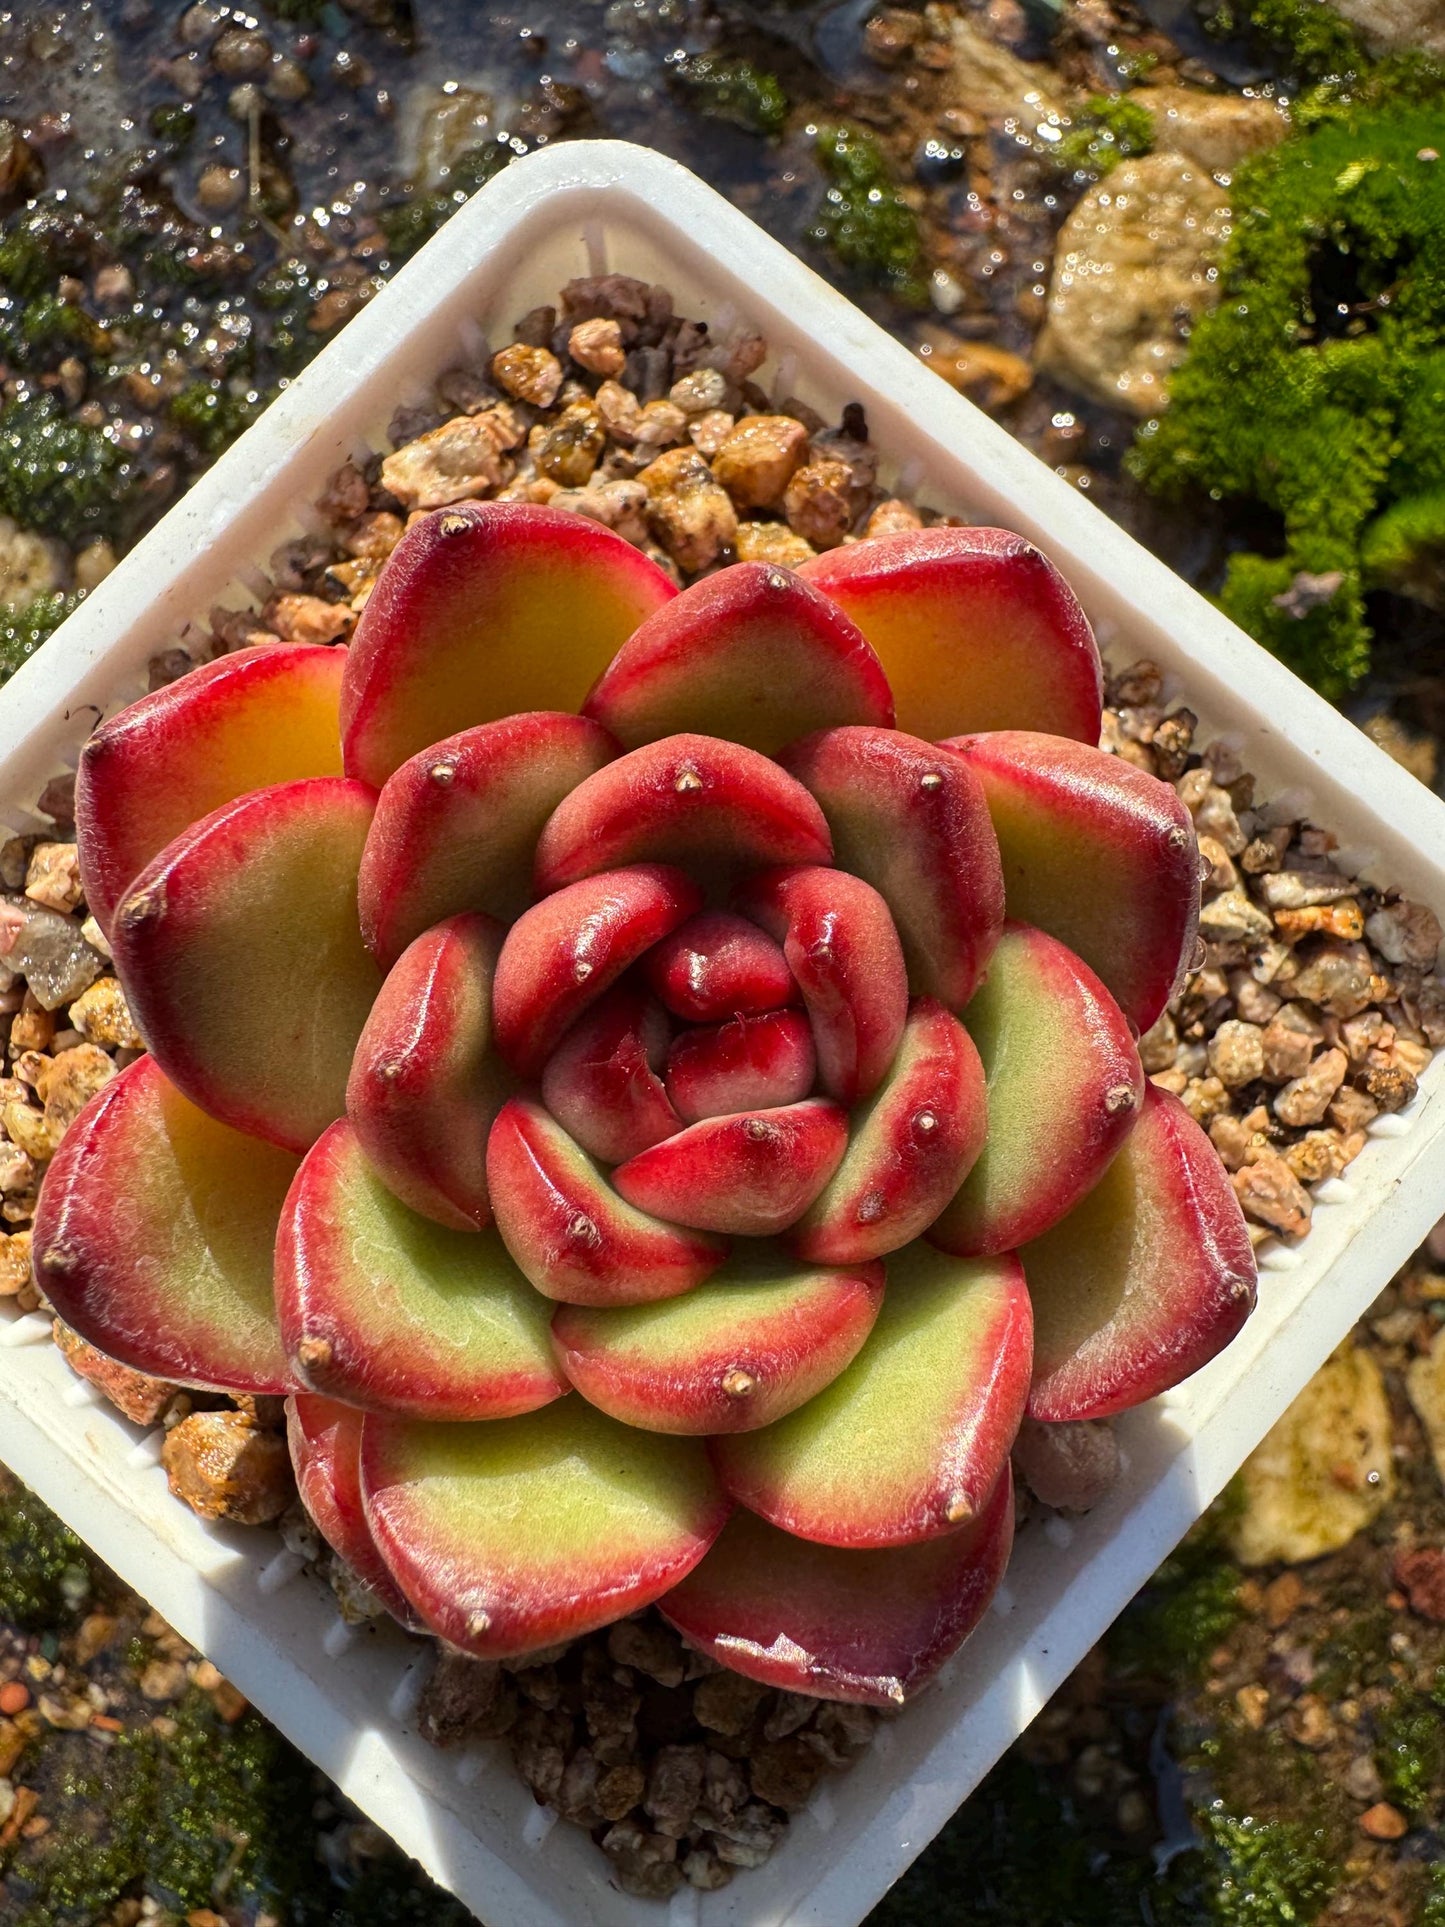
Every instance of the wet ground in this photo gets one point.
(245, 180)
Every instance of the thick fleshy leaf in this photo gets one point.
(873, 1627)
(456, 827)
(1063, 1073)
(711, 807)
(909, 1440)
(756, 1341)
(390, 1311)
(426, 1082)
(154, 1233)
(975, 629)
(1098, 853)
(602, 1082)
(908, 1147)
(1145, 1280)
(325, 1442)
(843, 950)
(245, 721)
(570, 1232)
(913, 822)
(517, 1534)
(563, 953)
(750, 1175)
(751, 654)
(719, 965)
(242, 962)
(485, 610)
(746, 1064)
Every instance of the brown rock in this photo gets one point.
(596, 345)
(1420, 1575)
(772, 542)
(674, 1788)
(14, 1263)
(1216, 131)
(1384, 1822)
(988, 375)
(784, 1772)
(53, 876)
(567, 449)
(1069, 1465)
(759, 458)
(691, 513)
(1305, 1099)
(465, 457)
(465, 1698)
(307, 618)
(726, 1702)
(649, 1647)
(139, 1397)
(1271, 1194)
(225, 1467)
(102, 1016)
(69, 1081)
(818, 503)
(530, 374)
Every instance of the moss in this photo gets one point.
(60, 475)
(41, 243)
(1410, 1748)
(1272, 1873)
(415, 218)
(21, 633)
(173, 123)
(734, 90)
(1168, 1631)
(210, 1814)
(1404, 549)
(863, 218)
(1309, 35)
(1311, 390)
(1432, 1913)
(45, 1575)
(213, 414)
(1109, 128)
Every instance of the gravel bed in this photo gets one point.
(1312, 1008)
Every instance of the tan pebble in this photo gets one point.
(1236, 1053)
(597, 346)
(14, 1263)
(1221, 873)
(893, 517)
(1308, 1723)
(991, 376)
(30, 1129)
(53, 876)
(702, 392)
(1159, 1046)
(225, 1467)
(1332, 919)
(1305, 1099)
(1232, 1138)
(1283, 1598)
(33, 1027)
(1170, 1080)
(102, 1015)
(660, 425)
(759, 458)
(1271, 1194)
(1341, 979)
(374, 536)
(1289, 1042)
(567, 450)
(530, 374)
(141, 1398)
(1265, 853)
(708, 432)
(70, 1080)
(307, 618)
(164, 1679)
(463, 458)
(1316, 1156)
(692, 516)
(772, 542)
(1230, 917)
(1204, 1098)
(1384, 1822)
(818, 503)
(96, 1632)
(620, 410)
(1253, 1704)
(1406, 933)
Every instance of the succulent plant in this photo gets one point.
(629, 1132)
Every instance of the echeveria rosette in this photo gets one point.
(627, 1129)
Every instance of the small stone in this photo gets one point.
(30, 1129)
(463, 458)
(1389, 1087)
(1283, 1598)
(784, 1772)
(645, 1863)
(1316, 1156)
(1271, 1194)
(818, 503)
(1069, 1465)
(1253, 1705)
(567, 449)
(759, 459)
(1384, 1822)
(691, 514)
(1340, 979)
(1325, 1470)
(705, 1871)
(649, 1647)
(708, 432)
(989, 375)
(33, 1027)
(596, 345)
(892, 517)
(1425, 1385)
(659, 425)
(139, 1397)
(164, 1679)
(619, 1789)
(102, 1016)
(1327, 919)
(748, 1839)
(241, 55)
(1405, 933)
(1159, 1046)
(1302, 889)
(1308, 1723)
(1232, 918)
(1305, 1099)
(225, 1467)
(70, 1080)
(772, 542)
(465, 1698)
(726, 1702)
(1288, 1042)
(1236, 1053)
(702, 392)
(530, 374)
(307, 618)
(1361, 1779)
(52, 878)
(1420, 1575)
(14, 1263)
(674, 1788)
(220, 188)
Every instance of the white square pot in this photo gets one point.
(348, 1697)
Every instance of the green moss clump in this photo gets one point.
(1272, 1873)
(1189, 1607)
(1410, 1748)
(45, 1575)
(1312, 38)
(60, 475)
(408, 222)
(733, 90)
(23, 630)
(1313, 389)
(1109, 128)
(863, 218)
(213, 414)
